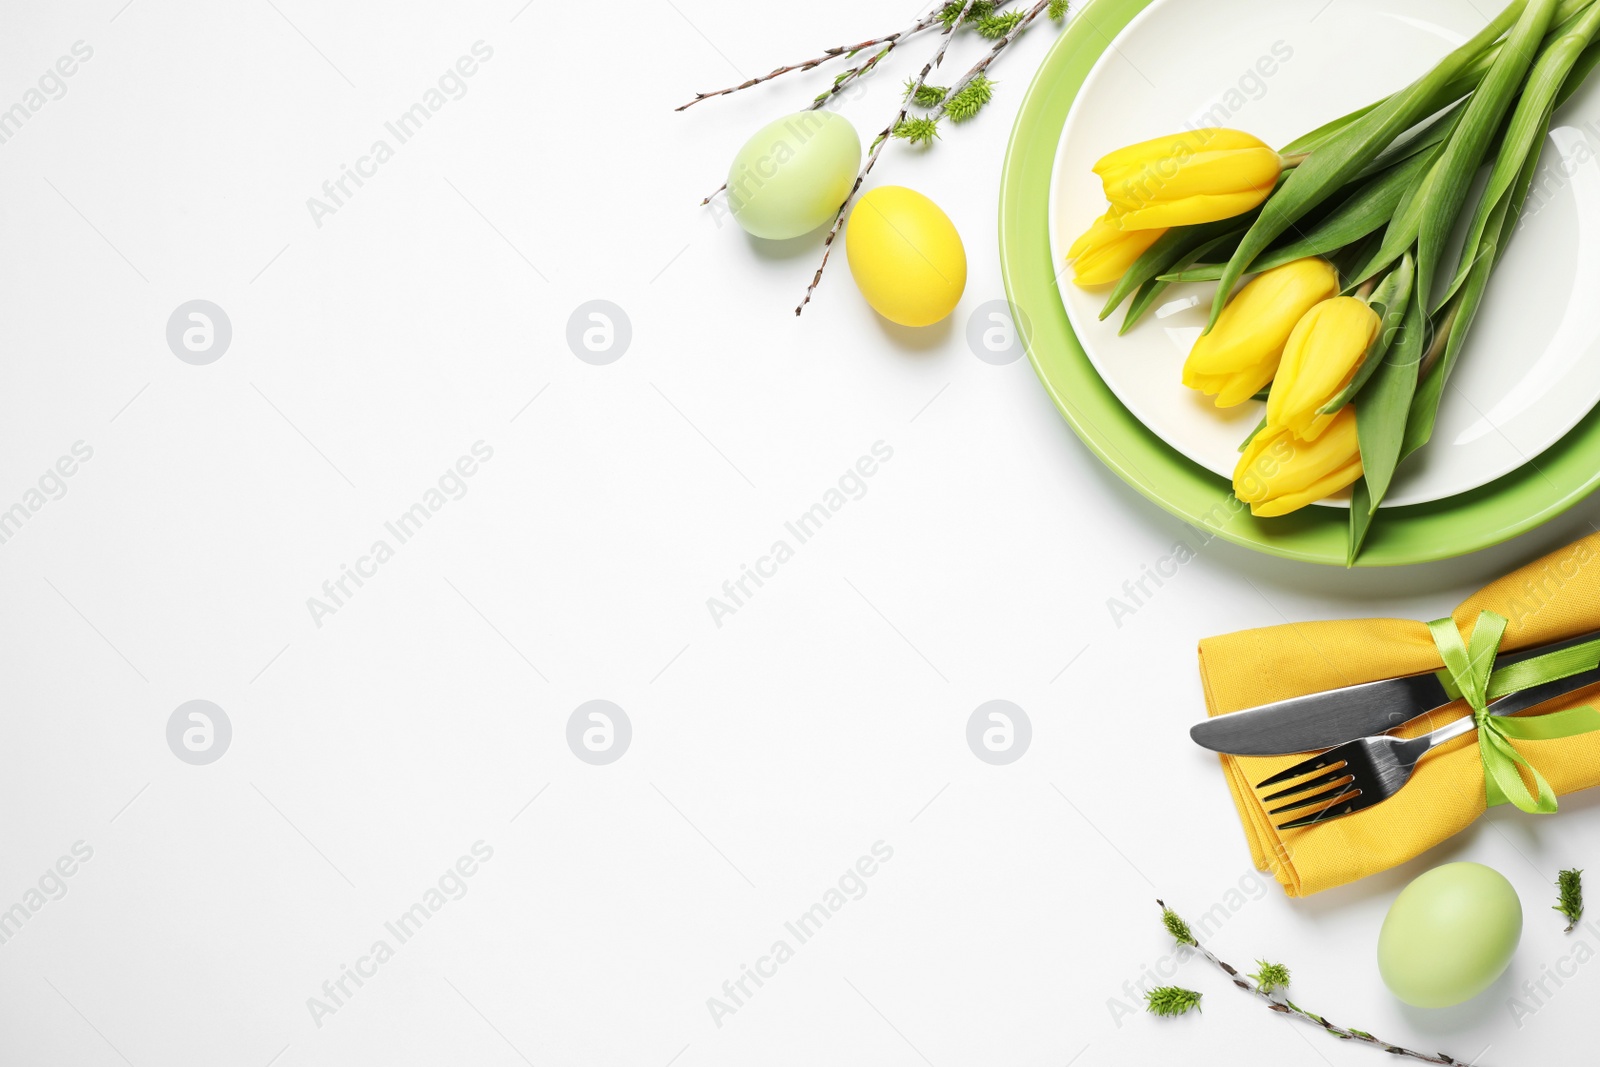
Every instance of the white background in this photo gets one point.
(828, 713)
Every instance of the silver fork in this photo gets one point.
(1370, 770)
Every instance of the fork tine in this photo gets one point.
(1335, 793)
(1343, 771)
(1315, 763)
(1356, 802)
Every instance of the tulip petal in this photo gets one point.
(1188, 177)
(1193, 210)
(1246, 384)
(1241, 355)
(1315, 427)
(1208, 173)
(1252, 474)
(1107, 261)
(1278, 472)
(1100, 231)
(1210, 384)
(1188, 142)
(1323, 488)
(1320, 358)
(1227, 352)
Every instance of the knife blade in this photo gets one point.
(1334, 716)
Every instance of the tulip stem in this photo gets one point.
(1294, 160)
(1441, 337)
(1366, 289)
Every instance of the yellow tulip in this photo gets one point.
(1322, 355)
(1279, 472)
(1240, 354)
(1105, 251)
(1189, 177)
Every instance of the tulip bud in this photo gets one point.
(1105, 250)
(1321, 357)
(1190, 177)
(1240, 355)
(1279, 472)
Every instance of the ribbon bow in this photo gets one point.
(1472, 676)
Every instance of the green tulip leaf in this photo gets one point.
(1153, 287)
(1362, 212)
(1320, 136)
(1347, 152)
(1360, 520)
(1526, 131)
(1166, 253)
(1401, 233)
(1453, 172)
(1385, 404)
(1480, 259)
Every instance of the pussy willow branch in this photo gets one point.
(1287, 1007)
(877, 149)
(860, 70)
(999, 45)
(926, 21)
(843, 82)
(884, 134)
(839, 85)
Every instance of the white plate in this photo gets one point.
(1276, 69)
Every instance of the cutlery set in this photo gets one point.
(1357, 762)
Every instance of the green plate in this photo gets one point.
(1533, 494)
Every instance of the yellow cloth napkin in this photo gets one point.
(1552, 598)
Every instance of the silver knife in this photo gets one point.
(1322, 720)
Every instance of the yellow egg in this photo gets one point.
(906, 256)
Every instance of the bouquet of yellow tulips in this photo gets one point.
(1349, 324)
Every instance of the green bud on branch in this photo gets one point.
(977, 12)
(1171, 1000)
(918, 130)
(1270, 977)
(1177, 927)
(925, 95)
(1571, 903)
(995, 27)
(969, 100)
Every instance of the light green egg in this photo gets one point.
(1449, 935)
(791, 177)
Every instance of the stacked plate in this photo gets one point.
(1518, 440)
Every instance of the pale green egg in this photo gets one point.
(1449, 935)
(791, 177)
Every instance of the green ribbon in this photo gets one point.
(1471, 674)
